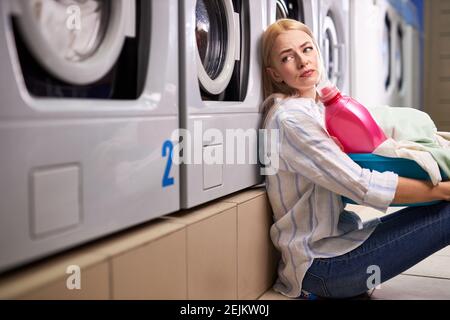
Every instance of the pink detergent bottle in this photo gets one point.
(349, 121)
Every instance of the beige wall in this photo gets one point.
(437, 62)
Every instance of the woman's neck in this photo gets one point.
(310, 93)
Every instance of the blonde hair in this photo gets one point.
(271, 88)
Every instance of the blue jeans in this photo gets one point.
(400, 241)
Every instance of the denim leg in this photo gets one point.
(400, 241)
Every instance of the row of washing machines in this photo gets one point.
(94, 92)
(393, 29)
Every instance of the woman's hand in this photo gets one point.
(443, 190)
(414, 191)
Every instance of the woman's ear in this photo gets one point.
(274, 74)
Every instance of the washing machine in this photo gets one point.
(334, 41)
(409, 33)
(220, 96)
(413, 50)
(305, 11)
(89, 104)
(374, 80)
(399, 71)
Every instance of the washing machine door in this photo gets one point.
(304, 11)
(332, 51)
(218, 43)
(77, 41)
(400, 59)
(290, 9)
(386, 50)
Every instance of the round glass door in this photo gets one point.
(331, 50)
(386, 52)
(399, 59)
(78, 41)
(211, 34)
(215, 40)
(75, 29)
(290, 9)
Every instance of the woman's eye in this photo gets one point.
(308, 49)
(286, 59)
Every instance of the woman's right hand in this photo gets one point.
(415, 191)
(443, 190)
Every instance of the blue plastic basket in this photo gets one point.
(403, 167)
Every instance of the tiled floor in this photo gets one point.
(430, 279)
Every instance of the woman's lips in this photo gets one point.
(307, 74)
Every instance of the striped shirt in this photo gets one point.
(305, 193)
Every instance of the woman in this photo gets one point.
(325, 250)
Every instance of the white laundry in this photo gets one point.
(443, 139)
(413, 135)
(76, 42)
(413, 151)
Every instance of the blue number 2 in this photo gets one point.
(167, 151)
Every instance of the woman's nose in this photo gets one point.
(301, 61)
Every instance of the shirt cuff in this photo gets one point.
(381, 191)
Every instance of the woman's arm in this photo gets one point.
(413, 191)
(307, 149)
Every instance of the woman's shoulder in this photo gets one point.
(290, 101)
(290, 107)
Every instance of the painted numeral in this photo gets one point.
(167, 151)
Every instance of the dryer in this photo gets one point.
(334, 41)
(220, 94)
(89, 103)
(305, 11)
(373, 34)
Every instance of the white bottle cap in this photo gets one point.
(326, 90)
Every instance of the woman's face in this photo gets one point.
(295, 61)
